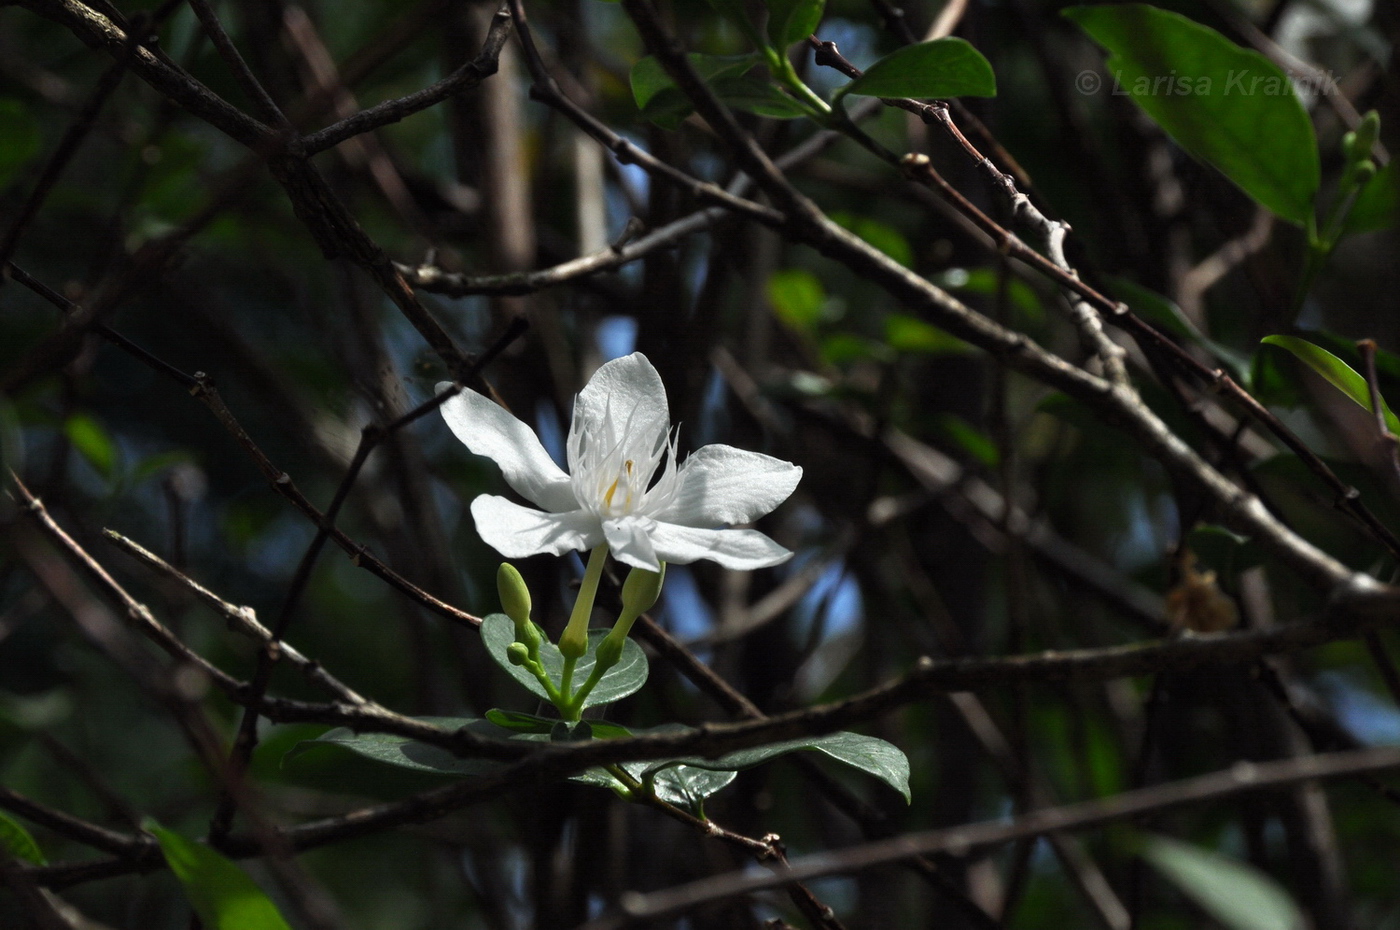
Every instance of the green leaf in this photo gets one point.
(19, 139)
(871, 755)
(406, 753)
(662, 102)
(760, 97)
(968, 438)
(1230, 107)
(1378, 204)
(792, 21)
(798, 298)
(624, 678)
(939, 70)
(881, 235)
(911, 334)
(17, 841)
(1237, 895)
(92, 442)
(221, 893)
(1337, 372)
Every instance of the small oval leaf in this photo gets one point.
(17, 841)
(792, 21)
(1239, 896)
(1337, 372)
(937, 70)
(221, 893)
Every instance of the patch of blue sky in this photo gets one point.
(713, 423)
(551, 432)
(616, 336)
(834, 599)
(1151, 527)
(1371, 718)
(275, 551)
(635, 176)
(686, 614)
(855, 40)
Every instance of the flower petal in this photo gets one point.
(738, 549)
(487, 428)
(629, 539)
(517, 532)
(721, 484)
(625, 402)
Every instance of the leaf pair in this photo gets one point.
(624, 678)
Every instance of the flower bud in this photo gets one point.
(609, 651)
(514, 595)
(517, 654)
(641, 589)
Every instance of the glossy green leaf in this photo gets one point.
(624, 678)
(1237, 895)
(797, 297)
(18, 843)
(792, 21)
(92, 442)
(19, 139)
(911, 334)
(1228, 106)
(662, 102)
(403, 752)
(1337, 372)
(221, 893)
(937, 70)
(871, 755)
(1378, 204)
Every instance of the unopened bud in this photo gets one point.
(517, 654)
(641, 589)
(1365, 171)
(1358, 143)
(515, 596)
(609, 651)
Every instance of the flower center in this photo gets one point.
(627, 494)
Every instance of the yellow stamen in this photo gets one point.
(607, 498)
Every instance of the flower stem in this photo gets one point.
(573, 642)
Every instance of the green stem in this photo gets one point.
(569, 708)
(573, 642)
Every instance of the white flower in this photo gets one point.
(619, 438)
